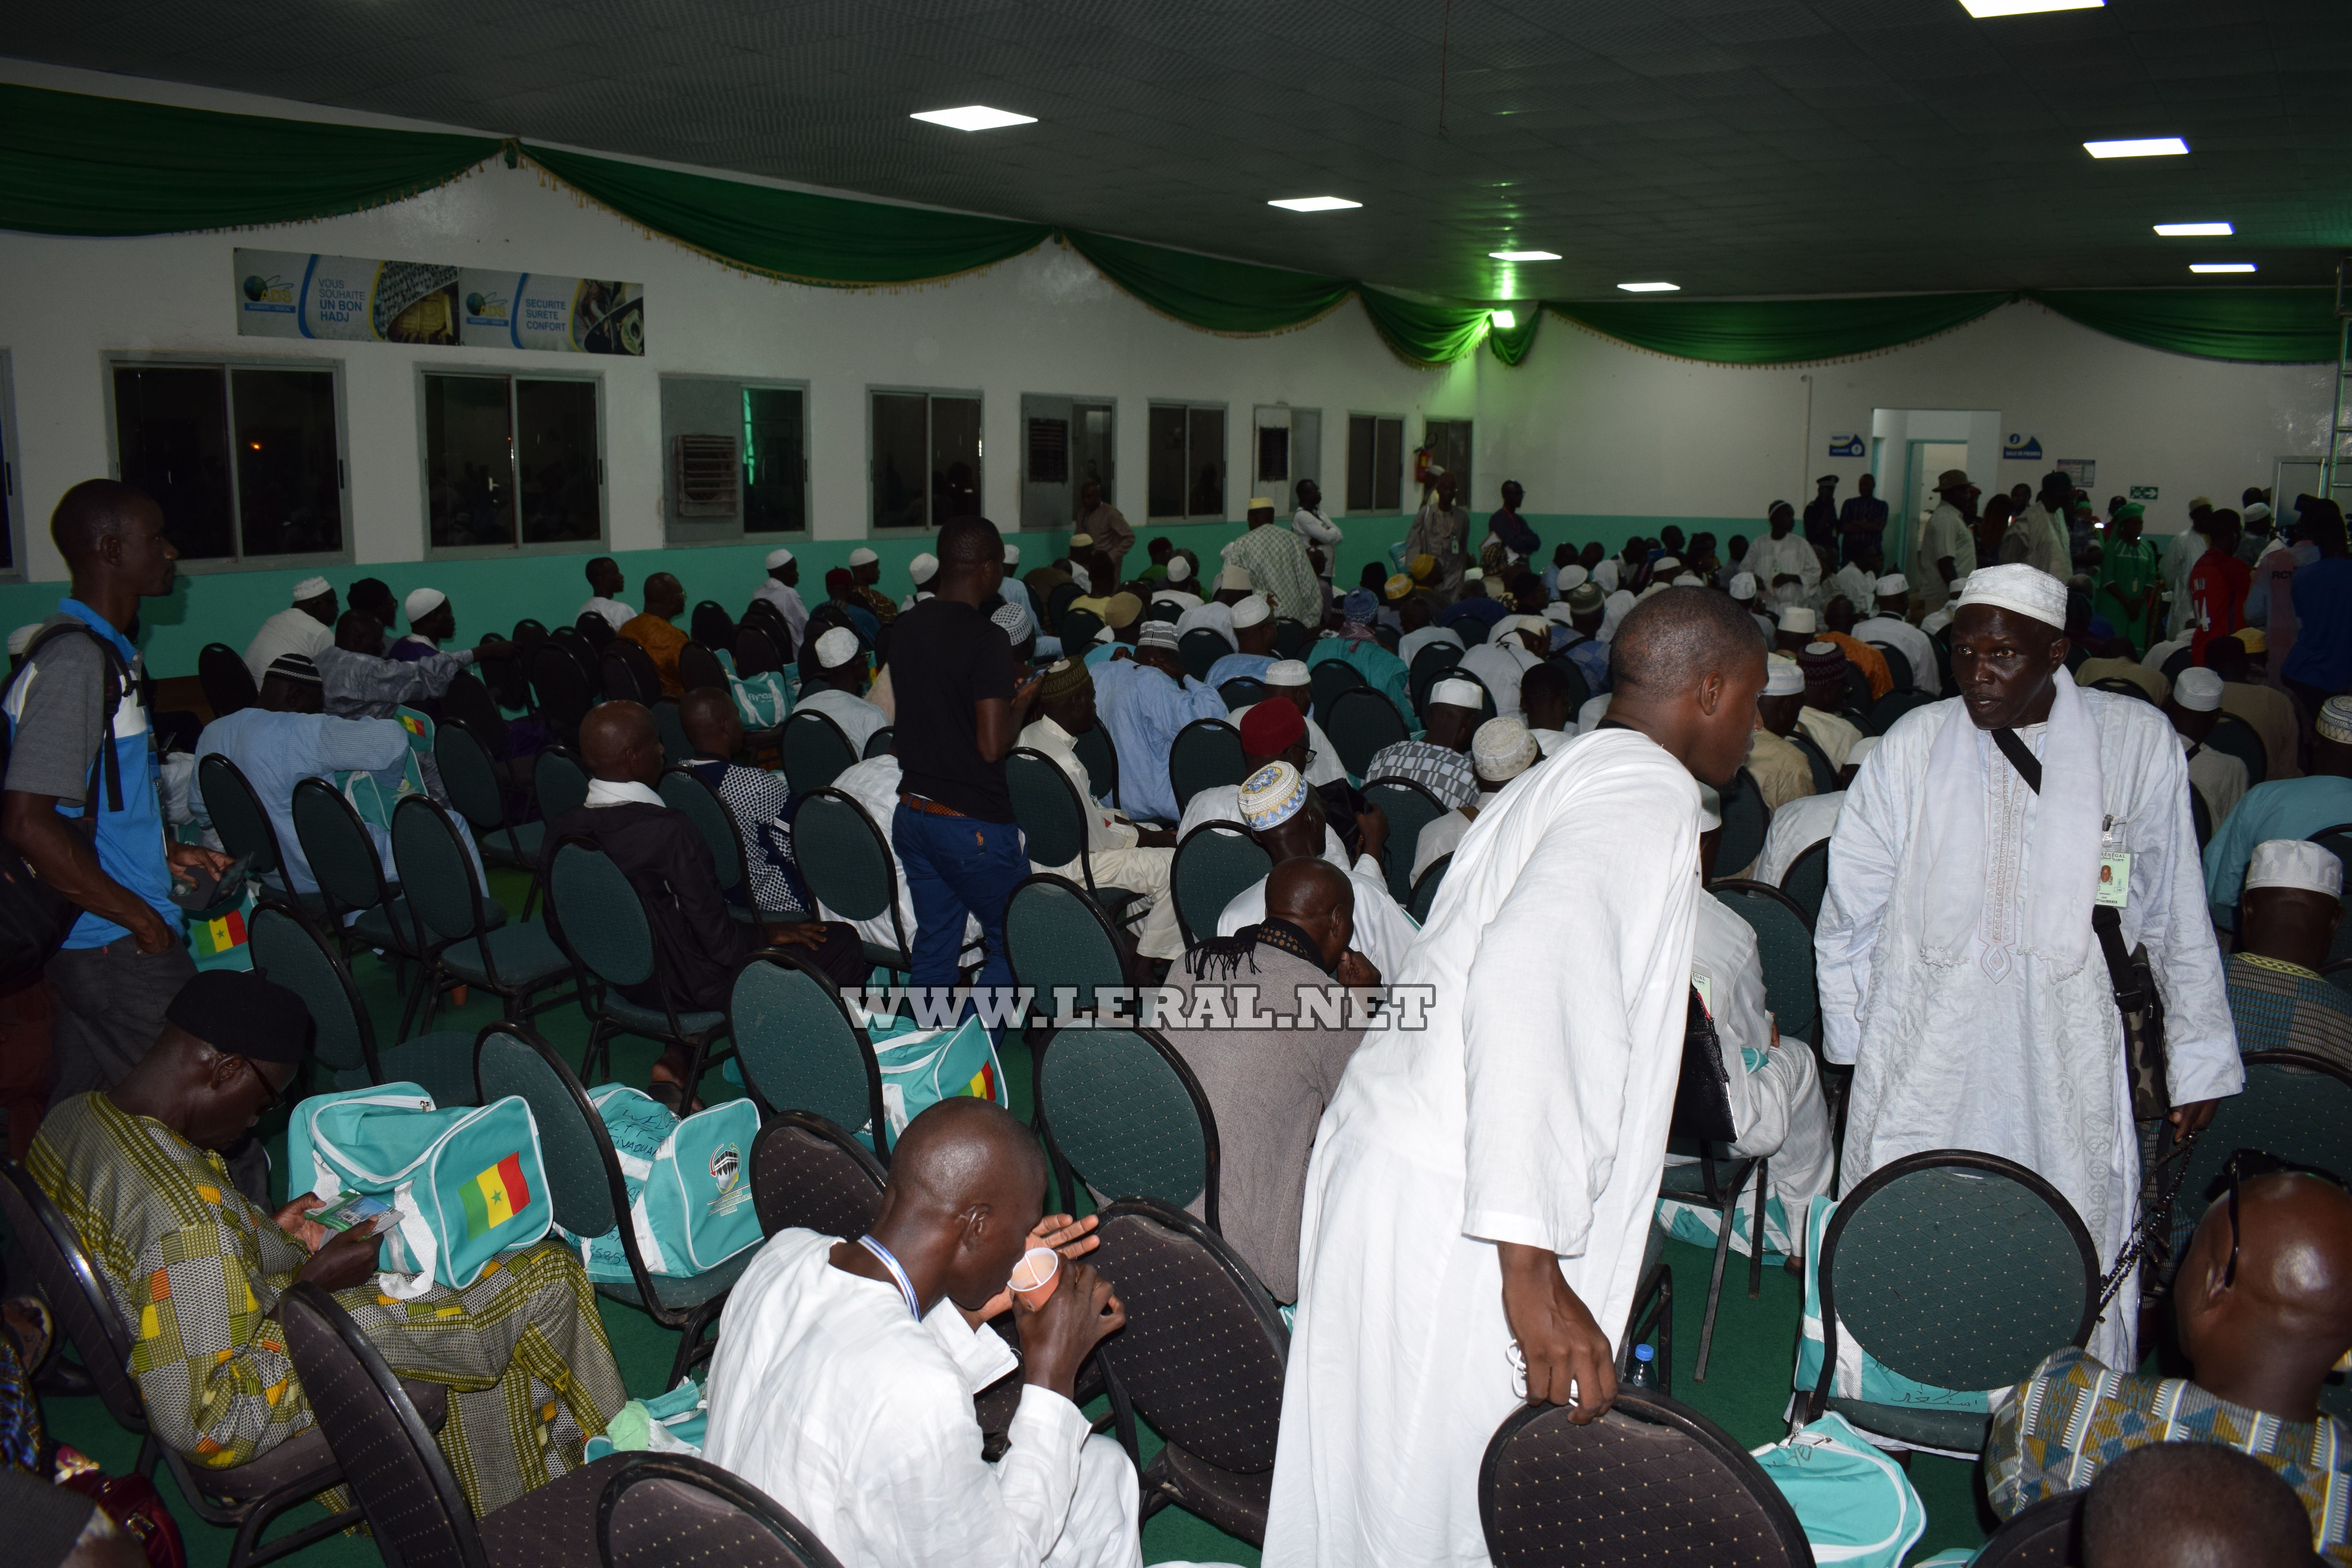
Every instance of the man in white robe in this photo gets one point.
(1958, 971)
(780, 588)
(1787, 571)
(1506, 655)
(2180, 557)
(1890, 628)
(1482, 1186)
(1945, 536)
(304, 627)
(1120, 854)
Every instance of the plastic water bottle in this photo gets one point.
(1644, 1372)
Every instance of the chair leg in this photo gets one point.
(149, 1452)
(691, 1347)
(592, 1060)
(1714, 1294)
(1756, 1241)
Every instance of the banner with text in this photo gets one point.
(291, 294)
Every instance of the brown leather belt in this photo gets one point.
(928, 808)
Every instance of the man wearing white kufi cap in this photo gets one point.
(1500, 750)
(2194, 706)
(1282, 812)
(920, 571)
(865, 571)
(1178, 586)
(1787, 571)
(1505, 656)
(2286, 808)
(305, 627)
(2294, 902)
(1960, 972)
(1891, 627)
(1253, 621)
(1440, 760)
(838, 689)
(1289, 680)
(432, 620)
(1742, 587)
(1777, 763)
(782, 588)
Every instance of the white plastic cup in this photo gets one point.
(1036, 1275)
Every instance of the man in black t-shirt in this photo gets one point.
(961, 702)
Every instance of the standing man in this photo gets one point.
(782, 589)
(2218, 584)
(1313, 527)
(1821, 515)
(303, 627)
(1482, 1186)
(604, 586)
(1947, 545)
(961, 703)
(2129, 577)
(2180, 557)
(1785, 566)
(1278, 566)
(1113, 536)
(2049, 546)
(1959, 968)
(1441, 530)
(1507, 525)
(79, 741)
(665, 602)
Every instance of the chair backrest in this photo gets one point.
(1424, 892)
(1652, 1482)
(1326, 680)
(619, 676)
(1206, 751)
(238, 816)
(228, 683)
(816, 750)
(682, 790)
(1744, 818)
(1290, 637)
(1242, 691)
(1899, 667)
(1807, 879)
(1079, 628)
(2118, 686)
(1485, 693)
(559, 783)
(697, 667)
(342, 853)
(661, 1510)
(1469, 628)
(1127, 1113)
(1053, 820)
(595, 628)
(807, 1173)
(1784, 946)
(436, 875)
(879, 743)
(468, 701)
(2045, 1534)
(2241, 740)
(562, 686)
(799, 1049)
(507, 679)
(2296, 1105)
(390, 1460)
(1203, 1351)
(1857, 687)
(1214, 864)
(1957, 1270)
(1893, 706)
(1825, 776)
(2176, 661)
(755, 651)
(713, 627)
(844, 856)
(1199, 648)
(529, 633)
(1359, 723)
(1422, 673)
(583, 1174)
(1058, 600)
(1095, 749)
(1409, 807)
(468, 778)
(1056, 937)
(595, 914)
(69, 1276)
(286, 947)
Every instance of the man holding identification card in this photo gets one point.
(2011, 866)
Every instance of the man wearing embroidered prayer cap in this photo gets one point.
(195, 1270)
(1019, 630)
(1823, 665)
(838, 689)
(304, 626)
(2286, 808)
(2194, 706)
(1282, 812)
(1278, 566)
(1959, 972)
(782, 588)
(1483, 1183)
(1891, 627)
(1500, 750)
(1144, 700)
(2294, 902)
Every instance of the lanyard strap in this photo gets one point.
(906, 1288)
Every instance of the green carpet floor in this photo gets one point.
(1746, 1391)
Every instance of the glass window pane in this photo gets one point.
(1388, 466)
(902, 460)
(1095, 446)
(775, 474)
(1207, 463)
(1165, 431)
(1273, 455)
(555, 460)
(955, 457)
(1359, 461)
(468, 460)
(171, 431)
(289, 494)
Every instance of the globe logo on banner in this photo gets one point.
(2022, 449)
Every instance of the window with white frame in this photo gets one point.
(735, 460)
(1187, 474)
(1375, 462)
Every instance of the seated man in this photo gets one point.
(1796, 827)
(1271, 732)
(1289, 680)
(1382, 672)
(665, 602)
(700, 945)
(1500, 750)
(1415, 614)
(1773, 1083)
(1145, 702)
(1286, 816)
(2194, 707)
(2286, 808)
(432, 621)
(1838, 619)
(1577, 620)
(2193, 1505)
(2294, 900)
(1122, 855)
(1438, 762)
(195, 1270)
(1544, 704)
(837, 686)
(1823, 666)
(1778, 765)
(304, 627)
(360, 682)
(843, 1385)
(605, 583)
(1892, 627)
(1254, 640)
(2262, 1306)
(762, 801)
(1268, 1086)
(1516, 645)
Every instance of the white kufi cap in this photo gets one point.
(310, 588)
(836, 647)
(1459, 693)
(2027, 589)
(1782, 677)
(1892, 584)
(1253, 611)
(1800, 619)
(1573, 576)
(2296, 863)
(778, 556)
(1287, 672)
(2198, 690)
(923, 568)
(1502, 750)
(1179, 569)
(1743, 585)
(861, 556)
(424, 602)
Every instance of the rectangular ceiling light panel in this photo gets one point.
(975, 117)
(1314, 204)
(1651, 288)
(2139, 147)
(2187, 230)
(1524, 255)
(2220, 267)
(1982, 9)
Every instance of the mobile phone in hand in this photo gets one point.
(350, 1210)
(205, 889)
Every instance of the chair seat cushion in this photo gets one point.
(555, 1524)
(377, 924)
(1234, 1502)
(1958, 1431)
(630, 1015)
(442, 1061)
(1689, 1184)
(305, 1455)
(525, 956)
(691, 1291)
(527, 837)
(888, 957)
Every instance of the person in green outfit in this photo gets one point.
(2131, 574)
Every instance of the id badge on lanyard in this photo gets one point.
(2115, 866)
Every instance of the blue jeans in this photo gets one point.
(957, 865)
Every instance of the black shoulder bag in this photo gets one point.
(34, 917)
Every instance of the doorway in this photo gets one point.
(1928, 459)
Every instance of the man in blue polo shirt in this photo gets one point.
(124, 959)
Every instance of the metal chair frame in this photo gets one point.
(593, 989)
(685, 1469)
(431, 972)
(776, 1106)
(1175, 871)
(903, 960)
(1068, 1175)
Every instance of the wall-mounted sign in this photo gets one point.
(293, 294)
(2143, 492)
(2022, 449)
(2085, 471)
(1846, 447)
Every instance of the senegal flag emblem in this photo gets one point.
(983, 1083)
(494, 1196)
(213, 938)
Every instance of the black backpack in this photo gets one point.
(34, 917)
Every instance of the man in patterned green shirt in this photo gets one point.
(2263, 1308)
(2131, 575)
(195, 1269)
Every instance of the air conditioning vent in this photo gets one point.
(707, 474)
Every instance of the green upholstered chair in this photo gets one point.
(1898, 668)
(2295, 1106)
(1359, 723)
(246, 830)
(291, 952)
(1056, 938)
(1807, 879)
(1409, 807)
(1054, 826)
(1422, 674)
(1078, 629)
(471, 781)
(799, 1049)
(1122, 1111)
(1744, 818)
(1199, 648)
(559, 783)
(2241, 740)
(816, 750)
(676, 748)
(881, 743)
(1424, 892)
(444, 893)
(714, 823)
(1214, 864)
(1291, 636)
(1095, 749)
(362, 908)
(845, 860)
(1784, 944)
(600, 921)
(1206, 751)
(1326, 680)
(1242, 691)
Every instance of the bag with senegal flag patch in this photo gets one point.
(921, 1066)
(466, 1182)
(689, 1186)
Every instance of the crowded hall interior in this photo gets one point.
(1419, 784)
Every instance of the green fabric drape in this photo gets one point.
(2263, 326)
(831, 241)
(1207, 292)
(1510, 345)
(73, 163)
(1420, 334)
(1778, 331)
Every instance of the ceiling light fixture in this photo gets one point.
(1314, 204)
(2185, 230)
(1980, 9)
(1505, 319)
(1524, 255)
(975, 117)
(2220, 267)
(1650, 287)
(2138, 147)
